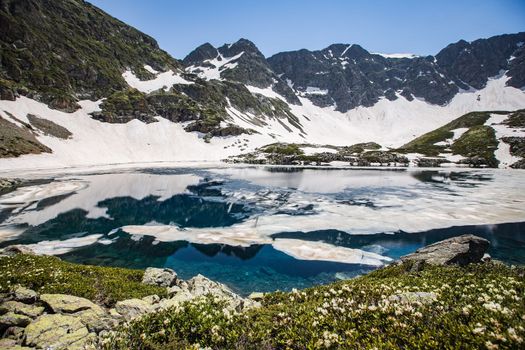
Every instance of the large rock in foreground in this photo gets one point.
(58, 332)
(63, 303)
(461, 250)
(159, 277)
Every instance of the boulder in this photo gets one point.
(176, 300)
(57, 332)
(16, 249)
(256, 296)
(174, 290)
(11, 344)
(63, 303)
(96, 321)
(17, 307)
(7, 344)
(133, 308)
(461, 250)
(151, 299)
(200, 285)
(24, 294)
(11, 319)
(159, 277)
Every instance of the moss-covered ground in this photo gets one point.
(47, 274)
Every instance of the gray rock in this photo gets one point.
(256, 296)
(7, 344)
(11, 319)
(176, 300)
(461, 250)
(133, 308)
(201, 286)
(174, 290)
(95, 321)
(63, 303)
(17, 307)
(25, 295)
(159, 277)
(57, 332)
(151, 299)
(13, 250)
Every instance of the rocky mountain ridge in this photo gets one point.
(348, 76)
(67, 57)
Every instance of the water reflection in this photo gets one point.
(203, 216)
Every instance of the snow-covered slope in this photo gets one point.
(389, 123)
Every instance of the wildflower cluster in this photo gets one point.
(480, 306)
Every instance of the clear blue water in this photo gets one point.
(219, 198)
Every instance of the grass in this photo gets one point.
(475, 307)
(478, 141)
(47, 274)
(516, 119)
(283, 149)
(425, 144)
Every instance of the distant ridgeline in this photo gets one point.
(63, 52)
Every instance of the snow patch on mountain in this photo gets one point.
(211, 69)
(389, 123)
(96, 143)
(162, 81)
(396, 55)
(502, 153)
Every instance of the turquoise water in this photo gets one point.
(88, 223)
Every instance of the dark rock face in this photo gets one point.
(470, 64)
(461, 250)
(202, 53)
(352, 77)
(251, 67)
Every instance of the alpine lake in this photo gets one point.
(262, 228)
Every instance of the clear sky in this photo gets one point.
(387, 26)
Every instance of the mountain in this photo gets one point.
(240, 62)
(79, 87)
(348, 76)
(60, 51)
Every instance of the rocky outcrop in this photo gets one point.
(247, 65)
(68, 304)
(159, 277)
(58, 332)
(460, 250)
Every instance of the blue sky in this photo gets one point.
(410, 26)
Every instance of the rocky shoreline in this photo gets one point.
(32, 320)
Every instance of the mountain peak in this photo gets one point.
(241, 45)
(202, 53)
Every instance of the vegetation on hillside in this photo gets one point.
(58, 51)
(15, 141)
(48, 274)
(474, 307)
